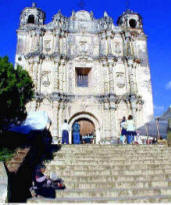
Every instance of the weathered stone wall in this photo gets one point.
(3, 184)
(119, 81)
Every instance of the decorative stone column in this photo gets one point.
(132, 76)
(30, 67)
(102, 44)
(111, 76)
(56, 74)
(106, 125)
(35, 73)
(106, 77)
(109, 36)
(60, 77)
(63, 73)
(63, 43)
(133, 87)
(41, 34)
(39, 76)
(134, 108)
(56, 42)
(34, 41)
(112, 116)
(60, 118)
(127, 43)
(55, 125)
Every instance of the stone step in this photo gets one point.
(109, 163)
(116, 146)
(133, 199)
(113, 192)
(57, 168)
(110, 172)
(119, 148)
(113, 149)
(110, 155)
(119, 158)
(115, 178)
(112, 152)
(102, 150)
(118, 184)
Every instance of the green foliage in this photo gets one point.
(5, 154)
(16, 89)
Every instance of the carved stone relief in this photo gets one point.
(120, 79)
(83, 48)
(70, 79)
(35, 43)
(82, 26)
(47, 45)
(82, 16)
(117, 47)
(147, 84)
(45, 78)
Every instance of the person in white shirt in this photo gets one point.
(131, 130)
(65, 132)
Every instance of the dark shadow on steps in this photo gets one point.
(41, 150)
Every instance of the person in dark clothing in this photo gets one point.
(44, 186)
(42, 183)
(76, 133)
(123, 130)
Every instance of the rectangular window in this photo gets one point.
(82, 77)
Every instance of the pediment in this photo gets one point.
(83, 16)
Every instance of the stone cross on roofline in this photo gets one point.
(34, 4)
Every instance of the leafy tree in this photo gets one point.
(5, 154)
(16, 89)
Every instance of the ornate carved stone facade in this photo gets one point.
(87, 68)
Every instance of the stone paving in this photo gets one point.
(110, 173)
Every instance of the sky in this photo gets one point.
(156, 16)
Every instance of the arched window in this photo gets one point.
(30, 19)
(132, 23)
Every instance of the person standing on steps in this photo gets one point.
(76, 133)
(131, 130)
(123, 130)
(65, 132)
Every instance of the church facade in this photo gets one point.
(86, 69)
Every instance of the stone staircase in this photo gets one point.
(15, 162)
(112, 173)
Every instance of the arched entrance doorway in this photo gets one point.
(88, 125)
(87, 130)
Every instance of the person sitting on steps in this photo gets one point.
(43, 185)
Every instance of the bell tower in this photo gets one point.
(130, 20)
(32, 16)
(136, 62)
